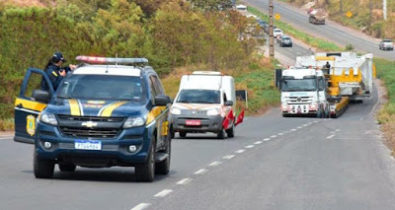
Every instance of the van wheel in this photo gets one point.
(183, 134)
(43, 168)
(231, 131)
(146, 172)
(67, 167)
(221, 134)
(164, 166)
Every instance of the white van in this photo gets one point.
(205, 102)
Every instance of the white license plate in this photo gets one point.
(87, 144)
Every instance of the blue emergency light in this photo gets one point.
(107, 60)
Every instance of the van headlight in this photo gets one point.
(48, 118)
(213, 112)
(133, 122)
(175, 111)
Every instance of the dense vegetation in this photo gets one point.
(170, 33)
(367, 15)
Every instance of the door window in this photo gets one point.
(36, 81)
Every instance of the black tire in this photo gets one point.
(146, 172)
(43, 168)
(164, 166)
(221, 134)
(67, 167)
(231, 131)
(183, 134)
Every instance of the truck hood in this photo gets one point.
(310, 94)
(101, 108)
(185, 106)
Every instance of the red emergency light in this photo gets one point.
(108, 60)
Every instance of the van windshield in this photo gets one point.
(103, 87)
(199, 97)
(299, 85)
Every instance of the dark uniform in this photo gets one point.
(53, 71)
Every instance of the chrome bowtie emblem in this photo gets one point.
(89, 124)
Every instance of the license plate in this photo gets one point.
(193, 122)
(87, 144)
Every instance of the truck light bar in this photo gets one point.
(107, 60)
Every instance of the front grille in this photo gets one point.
(300, 100)
(102, 127)
(194, 112)
(97, 133)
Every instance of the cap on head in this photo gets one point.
(58, 56)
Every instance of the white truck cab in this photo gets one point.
(303, 92)
(205, 102)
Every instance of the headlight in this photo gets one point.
(134, 122)
(48, 118)
(175, 111)
(212, 112)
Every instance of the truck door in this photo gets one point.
(29, 103)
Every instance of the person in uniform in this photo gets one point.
(55, 71)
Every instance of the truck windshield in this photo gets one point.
(299, 85)
(199, 96)
(102, 87)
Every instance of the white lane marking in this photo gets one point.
(258, 142)
(163, 193)
(240, 151)
(228, 157)
(200, 171)
(249, 146)
(184, 181)
(293, 129)
(215, 163)
(337, 130)
(274, 136)
(331, 136)
(267, 139)
(141, 206)
(280, 134)
(299, 127)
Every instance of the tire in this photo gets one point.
(221, 134)
(67, 167)
(43, 168)
(164, 166)
(231, 131)
(146, 172)
(183, 134)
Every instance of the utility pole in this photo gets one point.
(385, 9)
(271, 38)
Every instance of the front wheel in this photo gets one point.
(221, 134)
(146, 172)
(163, 167)
(231, 131)
(43, 168)
(67, 167)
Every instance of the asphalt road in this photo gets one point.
(273, 163)
(331, 31)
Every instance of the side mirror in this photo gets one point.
(229, 103)
(162, 100)
(41, 96)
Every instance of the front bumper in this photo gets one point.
(113, 151)
(299, 109)
(208, 123)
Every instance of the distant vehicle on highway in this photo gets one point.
(277, 33)
(386, 44)
(241, 8)
(262, 23)
(317, 16)
(285, 41)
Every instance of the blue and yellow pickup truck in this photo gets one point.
(107, 112)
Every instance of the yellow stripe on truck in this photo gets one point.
(74, 107)
(154, 113)
(107, 112)
(32, 105)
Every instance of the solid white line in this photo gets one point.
(331, 136)
(240, 151)
(163, 193)
(267, 139)
(228, 157)
(258, 142)
(141, 206)
(280, 134)
(274, 136)
(200, 171)
(249, 146)
(184, 181)
(215, 163)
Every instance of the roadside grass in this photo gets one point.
(304, 37)
(7, 124)
(386, 116)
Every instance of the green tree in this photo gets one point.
(212, 5)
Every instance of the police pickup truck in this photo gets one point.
(108, 112)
